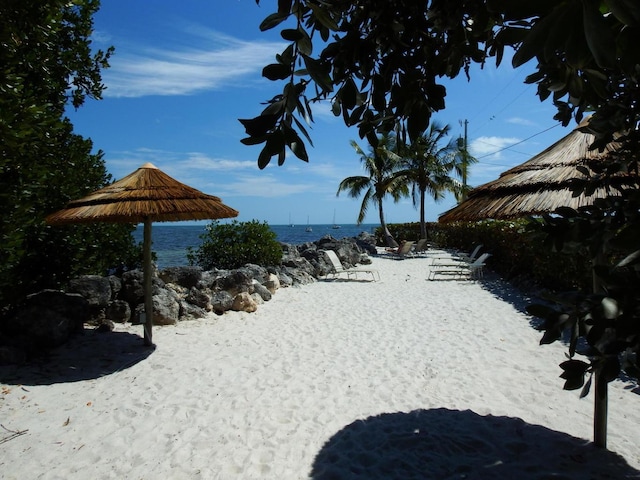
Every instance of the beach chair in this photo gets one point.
(460, 270)
(421, 246)
(339, 269)
(403, 252)
(456, 258)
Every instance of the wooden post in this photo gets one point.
(600, 411)
(601, 401)
(147, 285)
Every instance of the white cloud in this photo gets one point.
(219, 61)
(265, 186)
(491, 146)
(522, 121)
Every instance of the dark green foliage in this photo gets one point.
(46, 63)
(376, 72)
(381, 63)
(602, 322)
(232, 245)
(516, 251)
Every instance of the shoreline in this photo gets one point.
(401, 378)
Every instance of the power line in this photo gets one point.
(521, 141)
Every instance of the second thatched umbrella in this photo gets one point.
(144, 196)
(543, 183)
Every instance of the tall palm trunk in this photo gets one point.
(423, 223)
(388, 238)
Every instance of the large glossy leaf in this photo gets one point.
(626, 11)
(599, 35)
(259, 126)
(276, 71)
(319, 72)
(631, 259)
(533, 42)
(291, 34)
(574, 374)
(586, 388)
(321, 14)
(284, 6)
(304, 44)
(295, 143)
(273, 20)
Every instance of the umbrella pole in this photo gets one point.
(146, 271)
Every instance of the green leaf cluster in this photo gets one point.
(602, 323)
(233, 245)
(381, 62)
(379, 65)
(45, 64)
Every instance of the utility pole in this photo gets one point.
(465, 156)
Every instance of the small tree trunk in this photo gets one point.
(147, 284)
(601, 401)
(423, 223)
(601, 406)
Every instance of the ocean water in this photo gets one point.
(170, 242)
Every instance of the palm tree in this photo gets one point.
(380, 165)
(428, 166)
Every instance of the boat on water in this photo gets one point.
(308, 229)
(335, 225)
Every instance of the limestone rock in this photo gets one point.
(166, 309)
(221, 301)
(187, 277)
(261, 291)
(243, 302)
(94, 288)
(235, 282)
(272, 283)
(49, 317)
(199, 298)
(118, 311)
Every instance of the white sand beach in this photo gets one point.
(403, 378)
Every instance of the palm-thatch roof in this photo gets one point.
(146, 193)
(543, 183)
(144, 196)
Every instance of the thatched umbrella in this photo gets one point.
(542, 184)
(144, 196)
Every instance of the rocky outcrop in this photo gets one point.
(48, 318)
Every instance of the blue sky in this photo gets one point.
(183, 73)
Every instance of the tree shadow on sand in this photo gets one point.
(87, 356)
(447, 444)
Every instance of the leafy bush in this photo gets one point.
(517, 250)
(233, 245)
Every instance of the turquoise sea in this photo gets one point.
(170, 242)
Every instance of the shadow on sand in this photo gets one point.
(89, 355)
(447, 444)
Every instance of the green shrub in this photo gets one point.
(516, 250)
(235, 244)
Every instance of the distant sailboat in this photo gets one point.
(308, 229)
(335, 226)
(290, 224)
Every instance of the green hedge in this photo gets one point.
(516, 251)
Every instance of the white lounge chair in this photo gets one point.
(457, 257)
(460, 270)
(421, 247)
(338, 269)
(403, 252)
